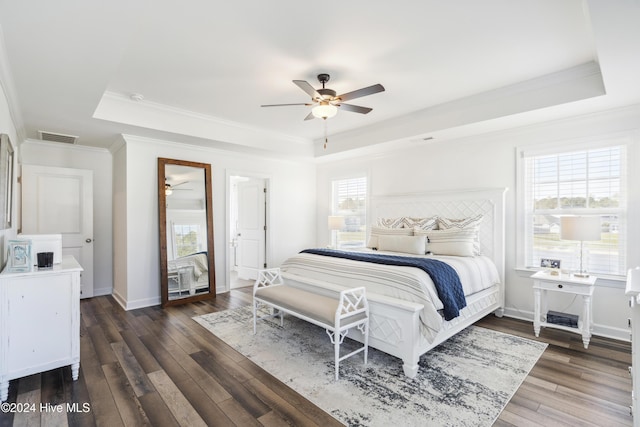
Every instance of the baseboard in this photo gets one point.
(121, 301)
(142, 303)
(604, 331)
(97, 292)
(132, 305)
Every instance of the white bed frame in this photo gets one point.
(394, 325)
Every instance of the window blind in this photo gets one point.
(589, 181)
(349, 200)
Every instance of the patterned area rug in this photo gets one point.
(466, 381)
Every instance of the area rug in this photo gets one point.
(466, 381)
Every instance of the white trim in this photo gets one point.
(575, 144)
(133, 305)
(74, 147)
(551, 147)
(269, 250)
(241, 155)
(102, 291)
(180, 112)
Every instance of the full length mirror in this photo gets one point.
(186, 231)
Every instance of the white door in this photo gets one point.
(60, 201)
(251, 235)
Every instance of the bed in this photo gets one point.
(407, 317)
(188, 274)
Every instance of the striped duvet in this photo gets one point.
(406, 283)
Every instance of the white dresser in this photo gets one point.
(39, 321)
(633, 292)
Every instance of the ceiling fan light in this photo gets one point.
(167, 190)
(324, 110)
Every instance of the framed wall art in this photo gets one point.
(19, 256)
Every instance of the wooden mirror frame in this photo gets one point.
(162, 218)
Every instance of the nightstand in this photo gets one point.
(544, 282)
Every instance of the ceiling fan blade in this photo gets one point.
(361, 92)
(181, 183)
(309, 90)
(354, 108)
(310, 116)
(284, 105)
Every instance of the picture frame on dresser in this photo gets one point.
(6, 182)
(19, 257)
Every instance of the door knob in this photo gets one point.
(88, 240)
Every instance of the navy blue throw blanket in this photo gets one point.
(444, 277)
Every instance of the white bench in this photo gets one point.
(337, 315)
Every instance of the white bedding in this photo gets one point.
(407, 283)
(198, 261)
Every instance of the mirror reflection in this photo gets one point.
(186, 231)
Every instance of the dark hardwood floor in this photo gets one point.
(158, 367)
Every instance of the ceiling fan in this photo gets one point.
(324, 101)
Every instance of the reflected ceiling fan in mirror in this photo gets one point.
(169, 189)
(326, 103)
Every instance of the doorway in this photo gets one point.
(248, 228)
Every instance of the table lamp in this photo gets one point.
(335, 223)
(580, 228)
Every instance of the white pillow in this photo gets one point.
(390, 222)
(471, 222)
(408, 222)
(463, 224)
(455, 242)
(407, 244)
(422, 223)
(379, 231)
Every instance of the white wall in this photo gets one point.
(33, 152)
(8, 127)
(490, 161)
(119, 225)
(292, 211)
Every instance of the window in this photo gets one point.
(349, 201)
(186, 238)
(588, 181)
(188, 230)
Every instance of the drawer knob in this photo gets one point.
(559, 286)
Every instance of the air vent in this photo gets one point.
(57, 137)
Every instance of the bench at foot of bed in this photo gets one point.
(348, 309)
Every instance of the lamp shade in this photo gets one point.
(580, 228)
(336, 222)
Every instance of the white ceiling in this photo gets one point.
(204, 68)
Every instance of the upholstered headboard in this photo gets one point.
(453, 204)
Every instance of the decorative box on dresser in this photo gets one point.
(39, 321)
(633, 292)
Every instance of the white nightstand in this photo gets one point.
(568, 284)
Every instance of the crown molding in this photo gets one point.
(61, 145)
(119, 108)
(243, 155)
(574, 84)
